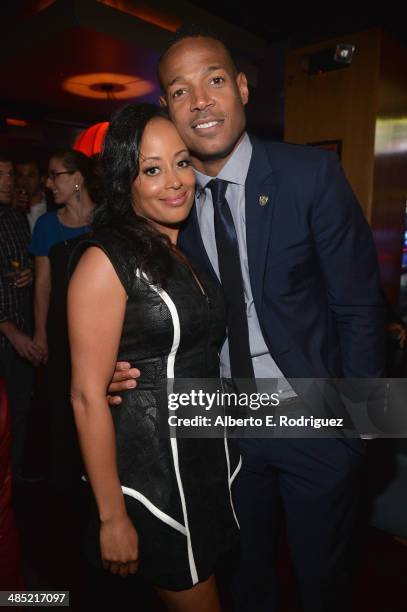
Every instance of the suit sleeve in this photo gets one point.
(348, 261)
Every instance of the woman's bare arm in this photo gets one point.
(42, 290)
(96, 307)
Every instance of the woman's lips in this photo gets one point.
(177, 201)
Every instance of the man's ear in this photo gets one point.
(163, 101)
(243, 87)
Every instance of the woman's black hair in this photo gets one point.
(120, 164)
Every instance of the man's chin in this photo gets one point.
(212, 153)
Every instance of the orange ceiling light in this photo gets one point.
(107, 85)
(91, 140)
(146, 13)
(16, 122)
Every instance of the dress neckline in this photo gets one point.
(187, 264)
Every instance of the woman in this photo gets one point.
(68, 175)
(73, 182)
(134, 297)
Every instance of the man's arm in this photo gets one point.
(348, 262)
(22, 343)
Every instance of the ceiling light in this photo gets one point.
(16, 122)
(110, 85)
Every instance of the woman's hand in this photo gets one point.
(119, 546)
(40, 340)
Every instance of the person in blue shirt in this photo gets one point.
(73, 182)
(68, 175)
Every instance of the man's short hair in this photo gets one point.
(194, 31)
(39, 163)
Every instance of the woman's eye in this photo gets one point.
(184, 163)
(152, 171)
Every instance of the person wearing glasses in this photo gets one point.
(72, 180)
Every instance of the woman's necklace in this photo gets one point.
(82, 219)
(61, 228)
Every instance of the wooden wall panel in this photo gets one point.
(365, 107)
(339, 105)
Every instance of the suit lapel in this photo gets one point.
(260, 193)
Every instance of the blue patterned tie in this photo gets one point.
(231, 276)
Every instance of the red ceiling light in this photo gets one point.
(16, 122)
(91, 140)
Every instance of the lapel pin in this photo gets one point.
(263, 199)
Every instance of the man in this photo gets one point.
(313, 310)
(30, 182)
(17, 350)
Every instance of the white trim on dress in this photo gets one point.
(231, 477)
(165, 518)
(174, 446)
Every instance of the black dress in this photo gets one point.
(65, 462)
(177, 490)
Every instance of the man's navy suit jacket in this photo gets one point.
(312, 264)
